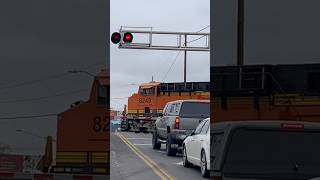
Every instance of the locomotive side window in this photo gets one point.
(102, 95)
(149, 91)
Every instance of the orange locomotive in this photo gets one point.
(266, 92)
(83, 133)
(147, 104)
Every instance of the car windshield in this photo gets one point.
(195, 109)
(273, 154)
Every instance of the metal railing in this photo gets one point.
(246, 81)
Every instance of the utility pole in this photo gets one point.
(240, 47)
(185, 63)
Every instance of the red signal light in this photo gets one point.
(115, 37)
(127, 37)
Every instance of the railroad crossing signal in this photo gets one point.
(116, 37)
(183, 41)
(124, 38)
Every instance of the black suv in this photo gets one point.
(267, 150)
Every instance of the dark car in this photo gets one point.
(270, 150)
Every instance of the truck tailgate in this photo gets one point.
(189, 123)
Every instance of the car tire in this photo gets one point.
(170, 151)
(155, 143)
(185, 161)
(203, 166)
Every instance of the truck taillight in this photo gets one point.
(177, 123)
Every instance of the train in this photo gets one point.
(266, 92)
(147, 104)
(83, 132)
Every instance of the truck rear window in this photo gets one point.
(195, 109)
(273, 154)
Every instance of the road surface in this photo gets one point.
(132, 158)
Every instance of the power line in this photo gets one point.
(126, 85)
(196, 39)
(175, 59)
(201, 36)
(43, 97)
(28, 117)
(55, 76)
(204, 28)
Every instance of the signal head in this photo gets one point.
(115, 37)
(127, 37)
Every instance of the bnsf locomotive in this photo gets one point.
(147, 104)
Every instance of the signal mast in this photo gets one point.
(124, 39)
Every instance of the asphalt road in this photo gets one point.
(133, 158)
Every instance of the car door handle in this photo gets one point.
(201, 140)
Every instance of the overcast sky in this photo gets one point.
(138, 66)
(277, 32)
(40, 40)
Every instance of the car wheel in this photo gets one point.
(185, 161)
(155, 143)
(204, 170)
(170, 151)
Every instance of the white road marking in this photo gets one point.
(142, 144)
(179, 163)
(161, 151)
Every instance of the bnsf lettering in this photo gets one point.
(144, 100)
(101, 124)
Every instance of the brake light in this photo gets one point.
(292, 126)
(177, 123)
(216, 178)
